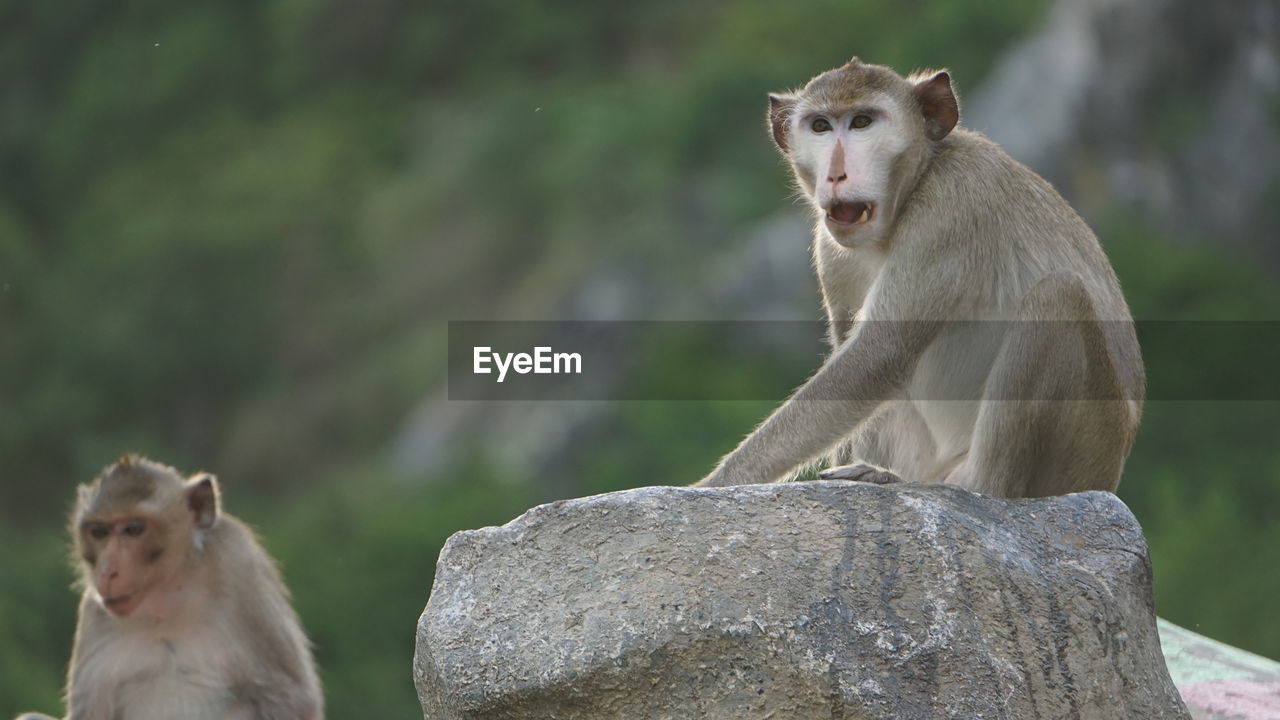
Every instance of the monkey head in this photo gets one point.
(857, 138)
(134, 526)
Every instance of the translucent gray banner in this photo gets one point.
(767, 360)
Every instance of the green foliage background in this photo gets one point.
(231, 232)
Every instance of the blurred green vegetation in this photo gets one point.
(230, 233)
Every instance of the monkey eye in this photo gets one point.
(133, 528)
(860, 121)
(98, 531)
(820, 125)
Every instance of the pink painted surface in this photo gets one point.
(1235, 698)
(1218, 681)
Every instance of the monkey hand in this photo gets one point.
(860, 473)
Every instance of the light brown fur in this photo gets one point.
(979, 335)
(204, 631)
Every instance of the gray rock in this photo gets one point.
(801, 600)
(1163, 105)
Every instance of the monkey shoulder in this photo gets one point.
(969, 172)
(272, 665)
(261, 607)
(234, 542)
(976, 172)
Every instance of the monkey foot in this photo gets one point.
(860, 473)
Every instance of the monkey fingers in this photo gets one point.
(860, 473)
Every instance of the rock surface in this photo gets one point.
(804, 600)
(1092, 101)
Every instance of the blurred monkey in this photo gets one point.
(183, 614)
(923, 227)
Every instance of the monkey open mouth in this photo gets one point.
(851, 213)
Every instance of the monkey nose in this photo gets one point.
(106, 575)
(834, 180)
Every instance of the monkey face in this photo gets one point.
(136, 527)
(125, 557)
(844, 156)
(857, 137)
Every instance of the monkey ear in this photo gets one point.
(939, 105)
(202, 499)
(780, 109)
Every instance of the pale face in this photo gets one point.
(844, 159)
(128, 556)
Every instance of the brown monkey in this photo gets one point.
(183, 614)
(979, 336)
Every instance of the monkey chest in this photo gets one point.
(161, 679)
(948, 383)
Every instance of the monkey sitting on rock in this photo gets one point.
(979, 336)
(183, 614)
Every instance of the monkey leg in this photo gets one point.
(894, 443)
(844, 454)
(1054, 418)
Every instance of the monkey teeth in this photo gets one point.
(850, 213)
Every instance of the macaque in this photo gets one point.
(979, 336)
(183, 615)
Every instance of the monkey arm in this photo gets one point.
(871, 366)
(277, 697)
(92, 623)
